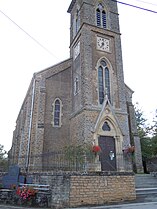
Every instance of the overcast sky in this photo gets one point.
(34, 34)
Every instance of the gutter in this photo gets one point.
(30, 124)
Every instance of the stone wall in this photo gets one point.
(78, 189)
(1, 177)
(97, 190)
(82, 189)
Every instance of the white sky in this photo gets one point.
(20, 56)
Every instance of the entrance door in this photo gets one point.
(108, 153)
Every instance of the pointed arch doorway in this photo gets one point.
(107, 156)
(109, 136)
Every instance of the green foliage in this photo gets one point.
(142, 127)
(154, 126)
(3, 159)
(154, 135)
(146, 133)
(154, 145)
(143, 132)
(140, 120)
(2, 152)
(77, 153)
(146, 147)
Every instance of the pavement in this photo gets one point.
(149, 205)
(15, 207)
(146, 205)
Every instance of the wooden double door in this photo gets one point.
(108, 153)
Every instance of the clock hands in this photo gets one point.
(102, 44)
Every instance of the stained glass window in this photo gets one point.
(107, 82)
(103, 81)
(106, 127)
(57, 113)
(101, 85)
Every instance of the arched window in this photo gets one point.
(98, 17)
(77, 20)
(57, 113)
(101, 16)
(107, 82)
(106, 127)
(76, 86)
(101, 85)
(103, 81)
(76, 23)
(104, 19)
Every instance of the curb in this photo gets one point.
(116, 206)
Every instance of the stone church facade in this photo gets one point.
(82, 99)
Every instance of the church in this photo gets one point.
(81, 101)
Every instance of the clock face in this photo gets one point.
(103, 44)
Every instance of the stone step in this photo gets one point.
(146, 194)
(146, 185)
(145, 181)
(146, 191)
(146, 188)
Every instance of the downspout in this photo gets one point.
(30, 125)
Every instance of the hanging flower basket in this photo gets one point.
(96, 149)
(130, 149)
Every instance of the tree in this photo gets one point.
(3, 159)
(142, 128)
(143, 133)
(154, 126)
(154, 134)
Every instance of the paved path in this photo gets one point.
(15, 207)
(148, 205)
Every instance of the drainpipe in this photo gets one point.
(30, 125)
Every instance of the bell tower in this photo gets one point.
(98, 91)
(95, 40)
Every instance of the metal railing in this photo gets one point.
(61, 161)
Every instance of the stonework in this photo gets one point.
(73, 190)
(78, 86)
(69, 190)
(98, 190)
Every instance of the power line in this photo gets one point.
(137, 7)
(41, 45)
(145, 2)
(34, 39)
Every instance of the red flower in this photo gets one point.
(96, 149)
(26, 193)
(130, 149)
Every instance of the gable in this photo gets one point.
(107, 115)
(57, 68)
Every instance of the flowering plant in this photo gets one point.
(129, 149)
(96, 149)
(13, 186)
(26, 193)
